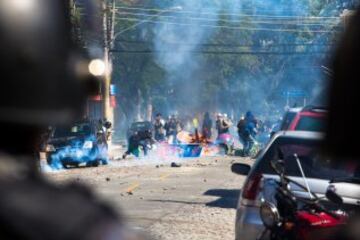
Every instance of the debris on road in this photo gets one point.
(108, 179)
(174, 164)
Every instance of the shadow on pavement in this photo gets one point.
(228, 198)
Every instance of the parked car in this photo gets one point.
(83, 143)
(310, 118)
(317, 171)
(140, 128)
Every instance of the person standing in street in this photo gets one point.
(207, 126)
(249, 133)
(173, 127)
(159, 128)
(241, 126)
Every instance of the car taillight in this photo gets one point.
(251, 187)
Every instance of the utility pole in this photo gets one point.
(108, 29)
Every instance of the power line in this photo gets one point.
(223, 14)
(227, 44)
(225, 27)
(220, 52)
(272, 22)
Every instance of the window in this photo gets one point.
(313, 164)
(314, 124)
(73, 131)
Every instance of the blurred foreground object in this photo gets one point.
(47, 83)
(342, 131)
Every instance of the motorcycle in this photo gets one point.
(287, 216)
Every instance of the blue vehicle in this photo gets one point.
(83, 143)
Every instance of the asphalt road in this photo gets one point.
(194, 201)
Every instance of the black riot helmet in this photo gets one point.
(42, 78)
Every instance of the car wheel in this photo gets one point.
(104, 162)
(93, 163)
(54, 165)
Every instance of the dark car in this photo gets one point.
(83, 143)
(142, 128)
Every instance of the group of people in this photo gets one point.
(167, 130)
(247, 128)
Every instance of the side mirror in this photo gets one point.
(240, 168)
(278, 166)
(333, 196)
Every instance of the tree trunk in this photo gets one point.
(149, 110)
(138, 106)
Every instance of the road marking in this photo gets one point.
(136, 184)
(164, 176)
(133, 187)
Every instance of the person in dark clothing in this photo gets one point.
(241, 130)
(139, 139)
(250, 132)
(133, 145)
(173, 127)
(207, 126)
(159, 128)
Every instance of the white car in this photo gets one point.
(318, 171)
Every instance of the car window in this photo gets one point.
(289, 117)
(71, 131)
(141, 126)
(313, 164)
(314, 124)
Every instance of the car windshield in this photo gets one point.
(313, 164)
(141, 126)
(81, 129)
(314, 124)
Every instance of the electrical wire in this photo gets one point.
(225, 27)
(228, 45)
(221, 52)
(222, 14)
(272, 22)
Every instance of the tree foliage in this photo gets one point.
(228, 69)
